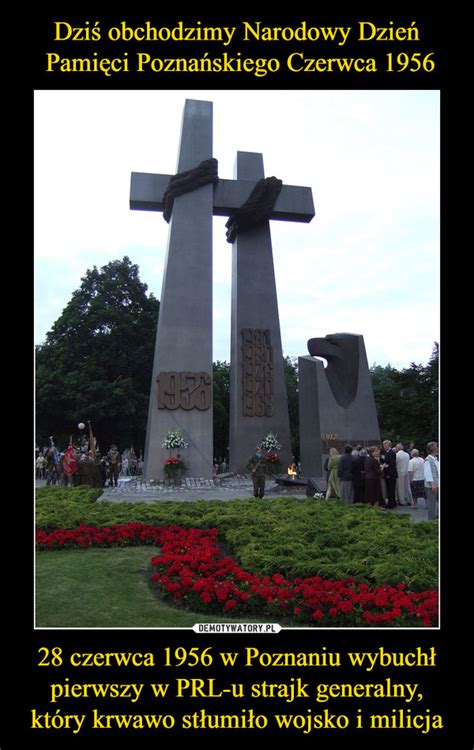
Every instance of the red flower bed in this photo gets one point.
(192, 570)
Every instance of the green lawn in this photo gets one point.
(104, 588)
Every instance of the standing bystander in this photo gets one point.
(358, 476)
(344, 471)
(431, 471)
(373, 472)
(403, 487)
(40, 466)
(389, 465)
(416, 477)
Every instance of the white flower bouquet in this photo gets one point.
(174, 440)
(270, 443)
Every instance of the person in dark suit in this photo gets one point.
(388, 459)
(373, 474)
(344, 472)
(358, 476)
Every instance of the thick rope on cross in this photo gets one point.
(257, 208)
(185, 182)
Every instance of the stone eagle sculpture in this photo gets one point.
(341, 350)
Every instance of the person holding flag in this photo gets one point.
(52, 458)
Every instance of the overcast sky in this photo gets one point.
(368, 262)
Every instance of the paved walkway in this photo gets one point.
(227, 487)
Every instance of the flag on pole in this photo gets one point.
(69, 460)
(91, 441)
(53, 451)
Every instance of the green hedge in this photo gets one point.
(57, 494)
(293, 536)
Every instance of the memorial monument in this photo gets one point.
(336, 403)
(181, 388)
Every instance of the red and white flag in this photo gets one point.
(69, 461)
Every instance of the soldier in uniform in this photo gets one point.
(258, 469)
(114, 461)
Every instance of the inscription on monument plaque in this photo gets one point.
(184, 390)
(329, 440)
(257, 373)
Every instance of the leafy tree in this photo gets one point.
(97, 360)
(291, 377)
(386, 387)
(432, 382)
(407, 401)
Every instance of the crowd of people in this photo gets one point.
(80, 465)
(386, 476)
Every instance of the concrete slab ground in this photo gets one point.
(236, 487)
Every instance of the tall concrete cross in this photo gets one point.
(259, 402)
(181, 389)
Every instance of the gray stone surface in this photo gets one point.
(255, 307)
(184, 336)
(336, 403)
